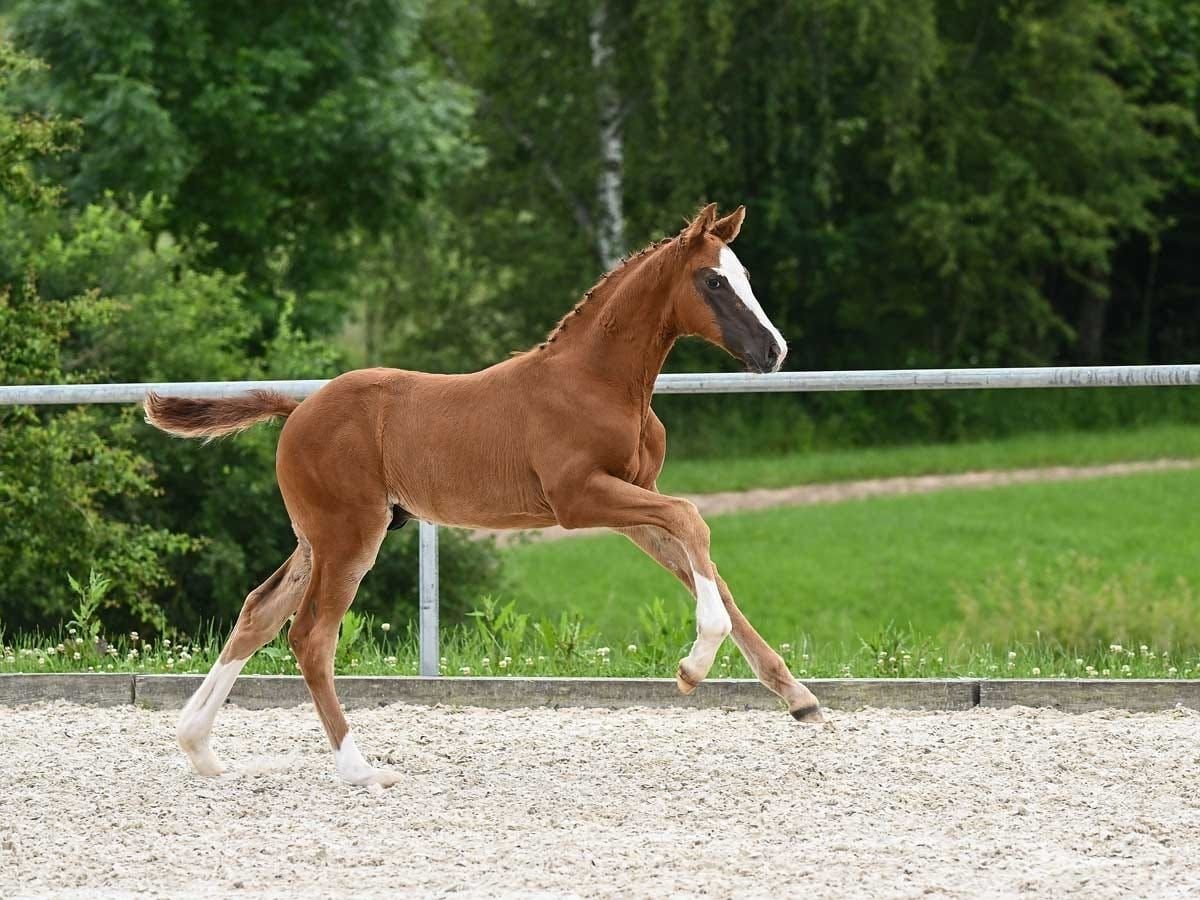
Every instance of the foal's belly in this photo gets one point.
(460, 461)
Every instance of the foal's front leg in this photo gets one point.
(767, 665)
(604, 500)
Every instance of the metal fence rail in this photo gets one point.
(717, 383)
(713, 383)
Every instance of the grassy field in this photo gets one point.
(1027, 451)
(1111, 559)
(1087, 579)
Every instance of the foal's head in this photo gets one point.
(714, 299)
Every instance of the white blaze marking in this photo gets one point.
(351, 766)
(735, 273)
(196, 720)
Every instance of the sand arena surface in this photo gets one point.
(645, 803)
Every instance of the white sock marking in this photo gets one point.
(196, 720)
(712, 625)
(735, 273)
(351, 766)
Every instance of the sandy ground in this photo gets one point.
(719, 504)
(638, 803)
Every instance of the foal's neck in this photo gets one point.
(623, 329)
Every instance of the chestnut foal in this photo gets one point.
(561, 434)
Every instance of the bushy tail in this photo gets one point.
(208, 419)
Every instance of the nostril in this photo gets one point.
(772, 354)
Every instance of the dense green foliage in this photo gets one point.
(229, 189)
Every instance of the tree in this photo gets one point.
(63, 475)
(278, 132)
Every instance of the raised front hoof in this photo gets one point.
(684, 681)
(810, 714)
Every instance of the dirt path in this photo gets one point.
(631, 803)
(840, 491)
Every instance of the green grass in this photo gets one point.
(1026, 451)
(1074, 579)
(834, 574)
(570, 648)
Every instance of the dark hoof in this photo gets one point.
(810, 714)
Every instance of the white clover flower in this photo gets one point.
(1125, 670)
(529, 660)
(1012, 654)
(785, 647)
(504, 664)
(61, 649)
(1105, 672)
(465, 670)
(71, 630)
(485, 662)
(166, 642)
(390, 660)
(76, 656)
(133, 635)
(386, 626)
(1115, 648)
(50, 651)
(1172, 670)
(1036, 671)
(602, 651)
(939, 659)
(1078, 661)
(170, 663)
(41, 660)
(442, 661)
(632, 648)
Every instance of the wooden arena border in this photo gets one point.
(266, 691)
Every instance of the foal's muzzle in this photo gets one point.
(767, 358)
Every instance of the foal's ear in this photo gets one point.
(702, 223)
(727, 228)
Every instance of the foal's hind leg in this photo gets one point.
(343, 552)
(766, 664)
(263, 614)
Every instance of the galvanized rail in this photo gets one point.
(708, 383)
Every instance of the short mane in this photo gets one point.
(619, 269)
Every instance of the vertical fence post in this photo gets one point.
(429, 599)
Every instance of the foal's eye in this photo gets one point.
(713, 282)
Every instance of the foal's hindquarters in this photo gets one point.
(330, 475)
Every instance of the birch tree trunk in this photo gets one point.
(610, 222)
